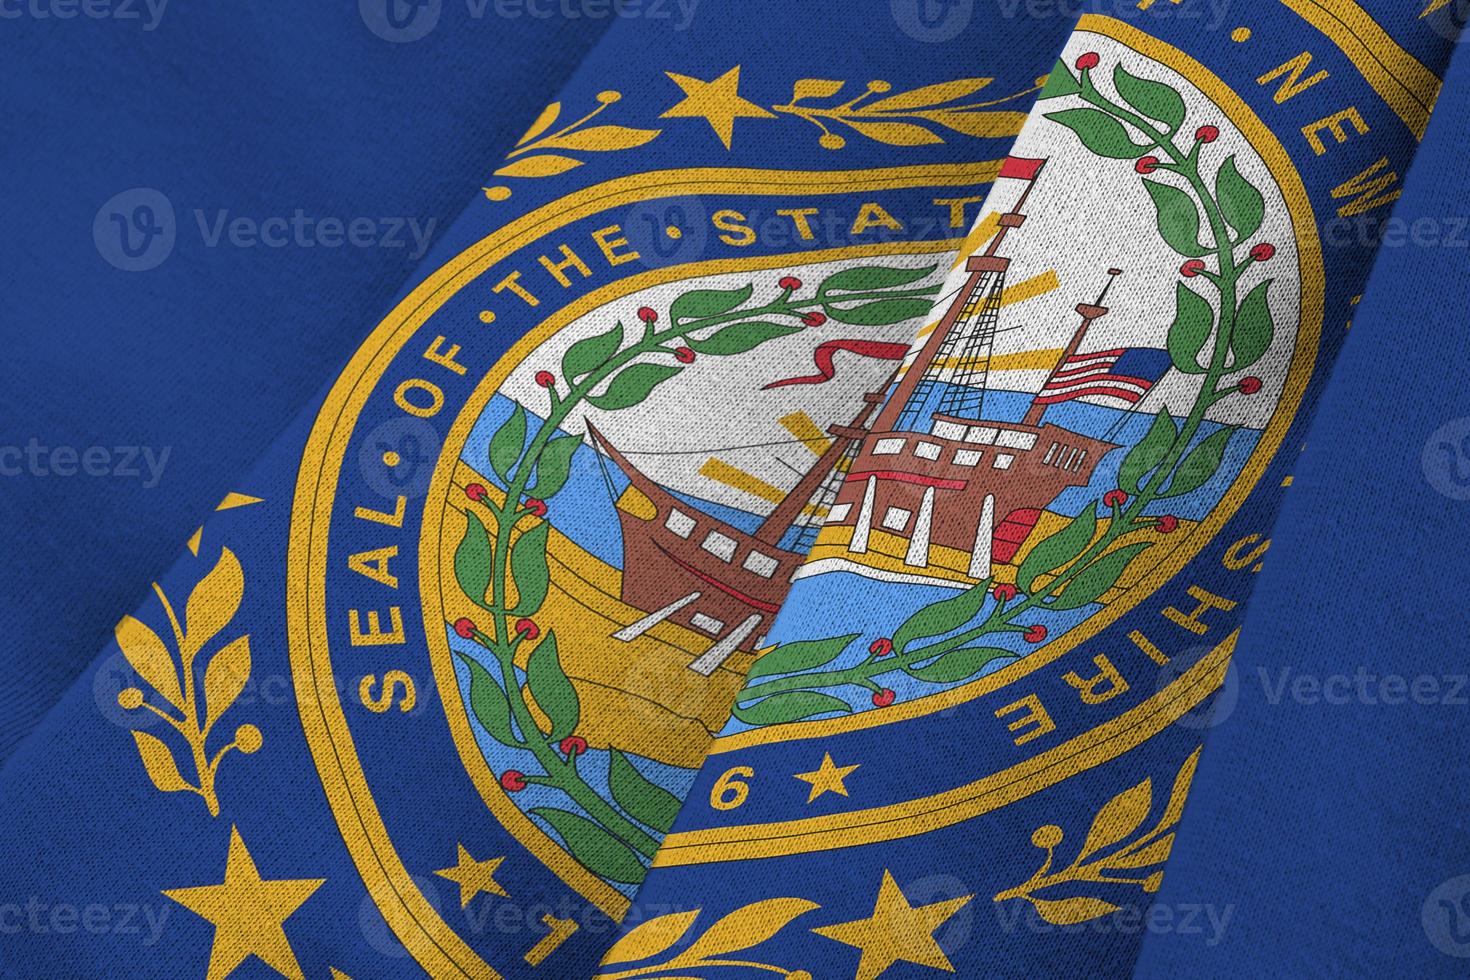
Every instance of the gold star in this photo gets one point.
(474, 877)
(247, 913)
(716, 102)
(896, 931)
(827, 778)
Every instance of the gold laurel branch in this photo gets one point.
(735, 932)
(173, 692)
(1107, 855)
(545, 154)
(907, 118)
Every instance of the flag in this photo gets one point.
(546, 636)
(1126, 374)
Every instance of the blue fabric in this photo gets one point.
(428, 684)
(203, 358)
(1328, 818)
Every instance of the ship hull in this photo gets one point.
(684, 566)
(970, 485)
(714, 595)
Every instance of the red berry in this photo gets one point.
(545, 379)
(881, 648)
(537, 507)
(475, 491)
(814, 319)
(1192, 268)
(1146, 165)
(1250, 385)
(684, 355)
(1168, 524)
(884, 698)
(647, 314)
(464, 627)
(1005, 592)
(1034, 634)
(528, 628)
(1207, 134)
(1263, 252)
(1088, 61)
(1115, 498)
(512, 781)
(573, 745)
(790, 282)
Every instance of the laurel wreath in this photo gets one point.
(742, 929)
(174, 690)
(916, 117)
(1108, 856)
(501, 560)
(905, 118)
(1078, 564)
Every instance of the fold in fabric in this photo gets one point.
(1328, 812)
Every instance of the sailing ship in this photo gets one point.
(683, 565)
(931, 469)
(936, 471)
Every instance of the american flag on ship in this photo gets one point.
(1126, 374)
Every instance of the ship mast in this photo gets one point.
(1090, 313)
(982, 268)
(789, 509)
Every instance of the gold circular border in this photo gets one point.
(1313, 287)
(417, 925)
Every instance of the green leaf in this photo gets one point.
(552, 689)
(1145, 457)
(554, 466)
(958, 665)
(1058, 550)
(596, 849)
(631, 385)
(1154, 99)
(942, 617)
(1241, 204)
(1194, 319)
(647, 801)
(1100, 133)
(529, 571)
(1254, 329)
(489, 704)
(587, 354)
(507, 444)
(473, 560)
(880, 313)
(792, 658)
(739, 338)
(1177, 217)
(789, 706)
(868, 278)
(1202, 463)
(1060, 83)
(697, 304)
(1097, 578)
